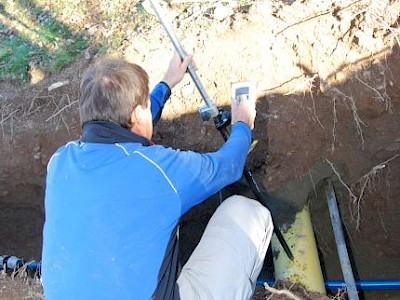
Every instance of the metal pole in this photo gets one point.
(340, 242)
(212, 110)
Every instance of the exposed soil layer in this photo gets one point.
(328, 106)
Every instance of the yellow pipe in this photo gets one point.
(306, 268)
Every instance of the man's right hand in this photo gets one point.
(244, 110)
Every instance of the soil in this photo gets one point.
(328, 106)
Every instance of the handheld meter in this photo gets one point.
(242, 91)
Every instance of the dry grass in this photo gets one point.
(18, 285)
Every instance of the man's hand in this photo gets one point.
(244, 110)
(177, 69)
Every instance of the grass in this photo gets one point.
(15, 55)
(65, 55)
(50, 34)
(31, 35)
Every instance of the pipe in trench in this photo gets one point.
(366, 284)
(340, 241)
(305, 268)
(13, 263)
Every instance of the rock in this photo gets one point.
(222, 12)
(35, 74)
(57, 85)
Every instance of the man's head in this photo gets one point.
(117, 91)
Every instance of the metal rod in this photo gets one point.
(250, 179)
(183, 54)
(340, 242)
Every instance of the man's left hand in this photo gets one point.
(177, 69)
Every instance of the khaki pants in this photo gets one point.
(230, 254)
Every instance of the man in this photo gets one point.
(113, 200)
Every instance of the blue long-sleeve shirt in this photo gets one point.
(112, 209)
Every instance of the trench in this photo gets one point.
(27, 147)
(21, 230)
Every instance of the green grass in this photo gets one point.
(66, 55)
(15, 55)
(51, 39)
(48, 43)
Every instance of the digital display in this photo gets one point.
(242, 91)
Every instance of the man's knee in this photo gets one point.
(248, 214)
(247, 207)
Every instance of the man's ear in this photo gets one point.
(134, 115)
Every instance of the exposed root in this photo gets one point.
(382, 97)
(20, 272)
(359, 122)
(341, 294)
(383, 225)
(379, 16)
(395, 35)
(38, 104)
(313, 184)
(364, 182)
(334, 125)
(60, 107)
(275, 291)
(7, 112)
(313, 101)
(352, 195)
(59, 111)
(5, 118)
